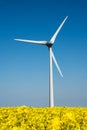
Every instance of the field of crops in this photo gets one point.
(30, 118)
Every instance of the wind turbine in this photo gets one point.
(51, 57)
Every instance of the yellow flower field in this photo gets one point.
(30, 118)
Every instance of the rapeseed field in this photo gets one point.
(30, 118)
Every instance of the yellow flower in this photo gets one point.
(30, 118)
(54, 124)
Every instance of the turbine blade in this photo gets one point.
(57, 31)
(31, 41)
(54, 59)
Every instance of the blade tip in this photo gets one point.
(15, 39)
(66, 17)
(61, 75)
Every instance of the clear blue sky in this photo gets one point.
(24, 68)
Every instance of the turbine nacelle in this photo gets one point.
(49, 44)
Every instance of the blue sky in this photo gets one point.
(24, 68)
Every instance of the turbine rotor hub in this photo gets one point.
(49, 44)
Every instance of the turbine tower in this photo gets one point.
(51, 57)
